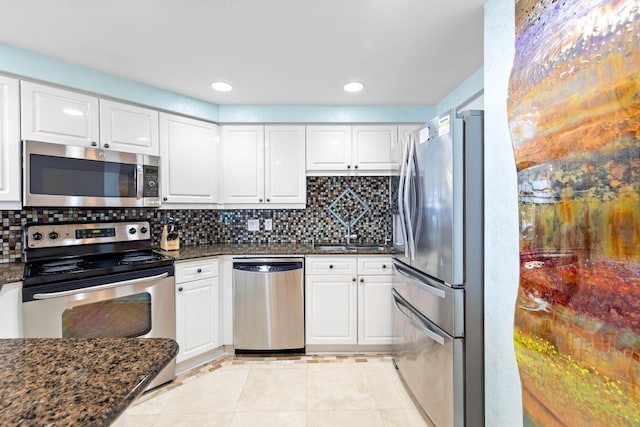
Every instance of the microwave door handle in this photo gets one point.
(99, 287)
(140, 181)
(422, 328)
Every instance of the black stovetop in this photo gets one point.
(72, 268)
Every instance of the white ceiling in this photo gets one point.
(296, 52)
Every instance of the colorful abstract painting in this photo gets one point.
(574, 116)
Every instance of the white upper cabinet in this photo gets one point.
(59, 116)
(10, 172)
(352, 150)
(263, 166)
(189, 161)
(284, 157)
(329, 148)
(128, 128)
(375, 148)
(243, 166)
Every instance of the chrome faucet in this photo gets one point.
(349, 236)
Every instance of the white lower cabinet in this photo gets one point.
(11, 310)
(331, 310)
(348, 300)
(197, 307)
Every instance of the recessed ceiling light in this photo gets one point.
(353, 87)
(221, 86)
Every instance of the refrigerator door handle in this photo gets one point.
(415, 282)
(401, 191)
(398, 301)
(407, 202)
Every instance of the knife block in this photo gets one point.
(166, 244)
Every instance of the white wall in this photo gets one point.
(502, 383)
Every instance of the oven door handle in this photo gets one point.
(99, 287)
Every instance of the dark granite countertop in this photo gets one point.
(12, 272)
(218, 249)
(76, 382)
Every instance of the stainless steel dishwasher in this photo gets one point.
(268, 305)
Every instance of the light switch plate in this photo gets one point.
(268, 224)
(253, 225)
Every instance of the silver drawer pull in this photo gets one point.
(437, 338)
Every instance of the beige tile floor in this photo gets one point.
(303, 391)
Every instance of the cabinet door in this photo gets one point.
(375, 148)
(328, 149)
(331, 309)
(374, 310)
(60, 116)
(243, 165)
(11, 310)
(10, 170)
(197, 323)
(284, 174)
(189, 168)
(128, 128)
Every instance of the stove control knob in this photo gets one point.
(37, 236)
(53, 235)
(143, 230)
(132, 230)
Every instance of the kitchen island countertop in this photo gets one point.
(76, 382)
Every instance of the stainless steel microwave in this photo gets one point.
(57, 175)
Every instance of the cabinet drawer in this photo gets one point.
(194, 270)
(374, 265)
(330, 265)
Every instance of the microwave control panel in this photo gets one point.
(151, 178)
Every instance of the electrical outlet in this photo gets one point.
(268, 224)
(253, 225)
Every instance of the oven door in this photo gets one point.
(133, 304)
(73, 176)
(430, 363)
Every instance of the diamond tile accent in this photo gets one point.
(348, 208)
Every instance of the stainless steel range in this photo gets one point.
(97, 280)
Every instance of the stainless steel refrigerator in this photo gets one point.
(438, 274)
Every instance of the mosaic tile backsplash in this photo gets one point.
(200, 227)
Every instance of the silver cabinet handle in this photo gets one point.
(99, 287)
(437, 338)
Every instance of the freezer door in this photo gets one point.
(439, 183)
(430, 363)
(441, 304)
